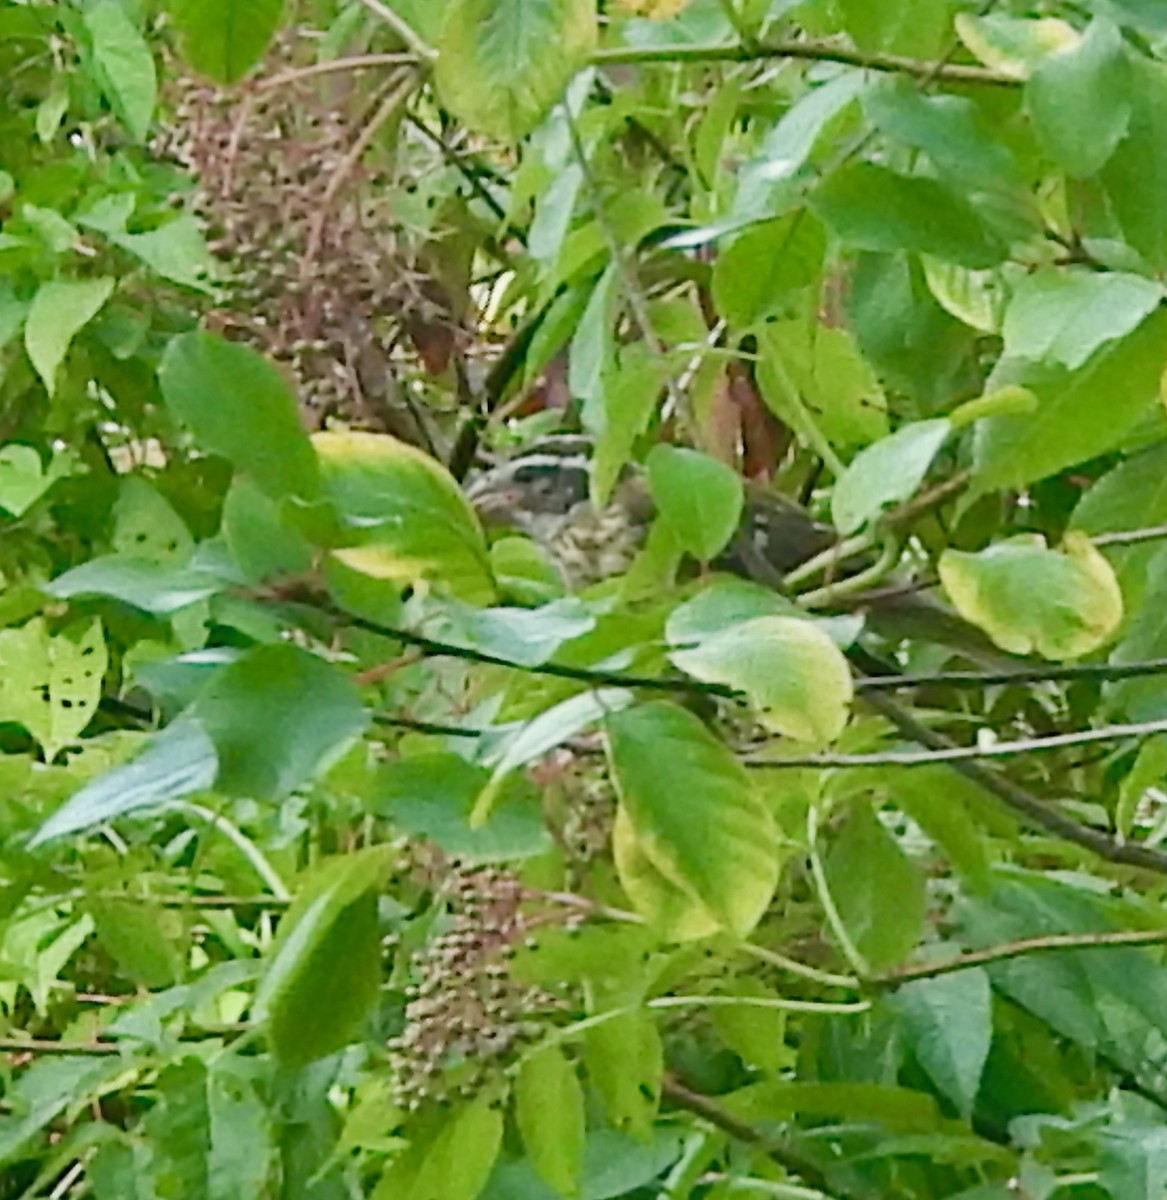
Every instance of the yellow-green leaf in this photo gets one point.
(1030, 599)
(549, 1110)
(789, 668)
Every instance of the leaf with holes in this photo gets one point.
(695, 813)
(503, 63)
(51, 684)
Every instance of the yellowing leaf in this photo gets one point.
(1014, 45)
(1031, 599)
(788, 666)
(405, 516)
(674, 911)
(657, 10)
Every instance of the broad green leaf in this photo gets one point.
(591, 351)
(177, 251)
(154, 587)
(789, 668)
(1014, 45)
(1138, 167)
(724, 603)
(1144, 638)
(1080, 414)
(240, 1154)
(503, 63)
(699, 498)
(624, 1060)
(432, 796)
(1079, 100)
(125, 65)
(756, 1035)
(790, 143)
(462, 1156)
(136, 934)
(173, 763)
(878, 892)
(24, 479)
(807, 366)
(1063, 316)
(237, 405)
(524, 572)
(60, 309)
(1030, 599)
(51, 683)
(673, 913)
(755, 275)
(886, 473)
(529, 636)
(695, 813)
(549, 1111)
(277, 716)
(146, 526)
(869, 207)
(631, 390)
(948, 1022)
(950, 129)
(407, 517)
(262, 543)
(224, 39)
(324, 971)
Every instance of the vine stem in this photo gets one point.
(850, 951)
(243, 843)
(424, 51)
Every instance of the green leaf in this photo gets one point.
(503, 63)
(224, 39)
(869, 207)
(241, 1151)
(950, 129)
(135, 934)
(878, 893)
(886, 473)
(695, 813)
(755, 275)
(432, 796)
(590, 353)
(51, 684)
(1029, 598)
(277, 717)
(624, 1059)
(1144, 638)
(407, 517)
(1079, 100)
(146, 526)
(1014, 45)
(262, 543)
(174, 763)
(153, 587)
(529, 636)
(631, 388)
(462, 1156)
(1065, 315)
(1138, 167)
(1080, 414)
(177, 251)
(324, 972)
(1148, 770)
(699, 498)
(725, 602)
(238, 405)
(948, 1023)
(976, 298)
(125, 65)
(549, 1111)
(60, 309)
(23, 478)
(788, 667)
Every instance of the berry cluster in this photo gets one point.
(321, 280)
(465, 1014)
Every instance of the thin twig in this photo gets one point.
(403, 29)
(1130, 537)
(811, 51)
(1019, 949)
(924, 758)
(1024, 673)
(334, 66)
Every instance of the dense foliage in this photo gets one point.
(346, 850)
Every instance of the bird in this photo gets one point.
(544, 492)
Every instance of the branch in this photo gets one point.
(420, 47)
(1038, 673)
(951, 753)
(741, 1131)
(1013, 796)
(809, 50)
(1019, 949)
